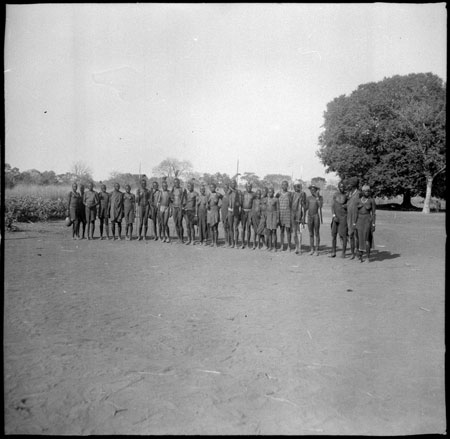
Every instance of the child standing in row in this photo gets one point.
(272, 219)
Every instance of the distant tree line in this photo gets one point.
(13, 176)
(81, 173)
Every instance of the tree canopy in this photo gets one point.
(171, 166)
(275, 180)
(319, 182)
(124, 178)
(81, 172)
(391, 134)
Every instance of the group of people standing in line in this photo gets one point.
(260, 213)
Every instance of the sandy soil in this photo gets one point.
(104, 337)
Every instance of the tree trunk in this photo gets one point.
(426, 202)
(406, 204)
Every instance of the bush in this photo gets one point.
(30, 208)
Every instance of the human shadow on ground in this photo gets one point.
(383, 255)
(375, 255)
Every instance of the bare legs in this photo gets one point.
(298, 239)
(104, 222)
(272, 240)
(288, 235)
(119, 229)
(129, 232)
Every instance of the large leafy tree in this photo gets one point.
(391, 134)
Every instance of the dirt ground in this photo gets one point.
(109, 337)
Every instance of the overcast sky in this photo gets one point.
(119, 85)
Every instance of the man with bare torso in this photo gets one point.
(313, 213)
(213, 214)
(143, 196)
(90, 201)
(224, 214)
(298, 217)
(164, 208)
(129, 212)
(154, 212)
(339, 219)
(201, 213)
(234, 212)
(189, 207)
(247, 204)
(177, 199)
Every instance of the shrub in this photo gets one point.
(31, 208)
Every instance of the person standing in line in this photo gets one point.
(298, 218)
(129, 208)
(165, 212)
(352, 209)
(224, 214)
(189, 207)
(90, 201)
(73, 211)
(272, 219)
(313, 212)
(201, 213)
(246, 214)
(285, 198)
(81, 213)
(255, 219)
(177, 199)
(143, 198)
(339, 219)
(213, 213)
(262, 231)
(234, 211)
(103, 210)
(155, 198)
(116, 211)
(365, 222)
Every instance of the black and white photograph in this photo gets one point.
(224, 219)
